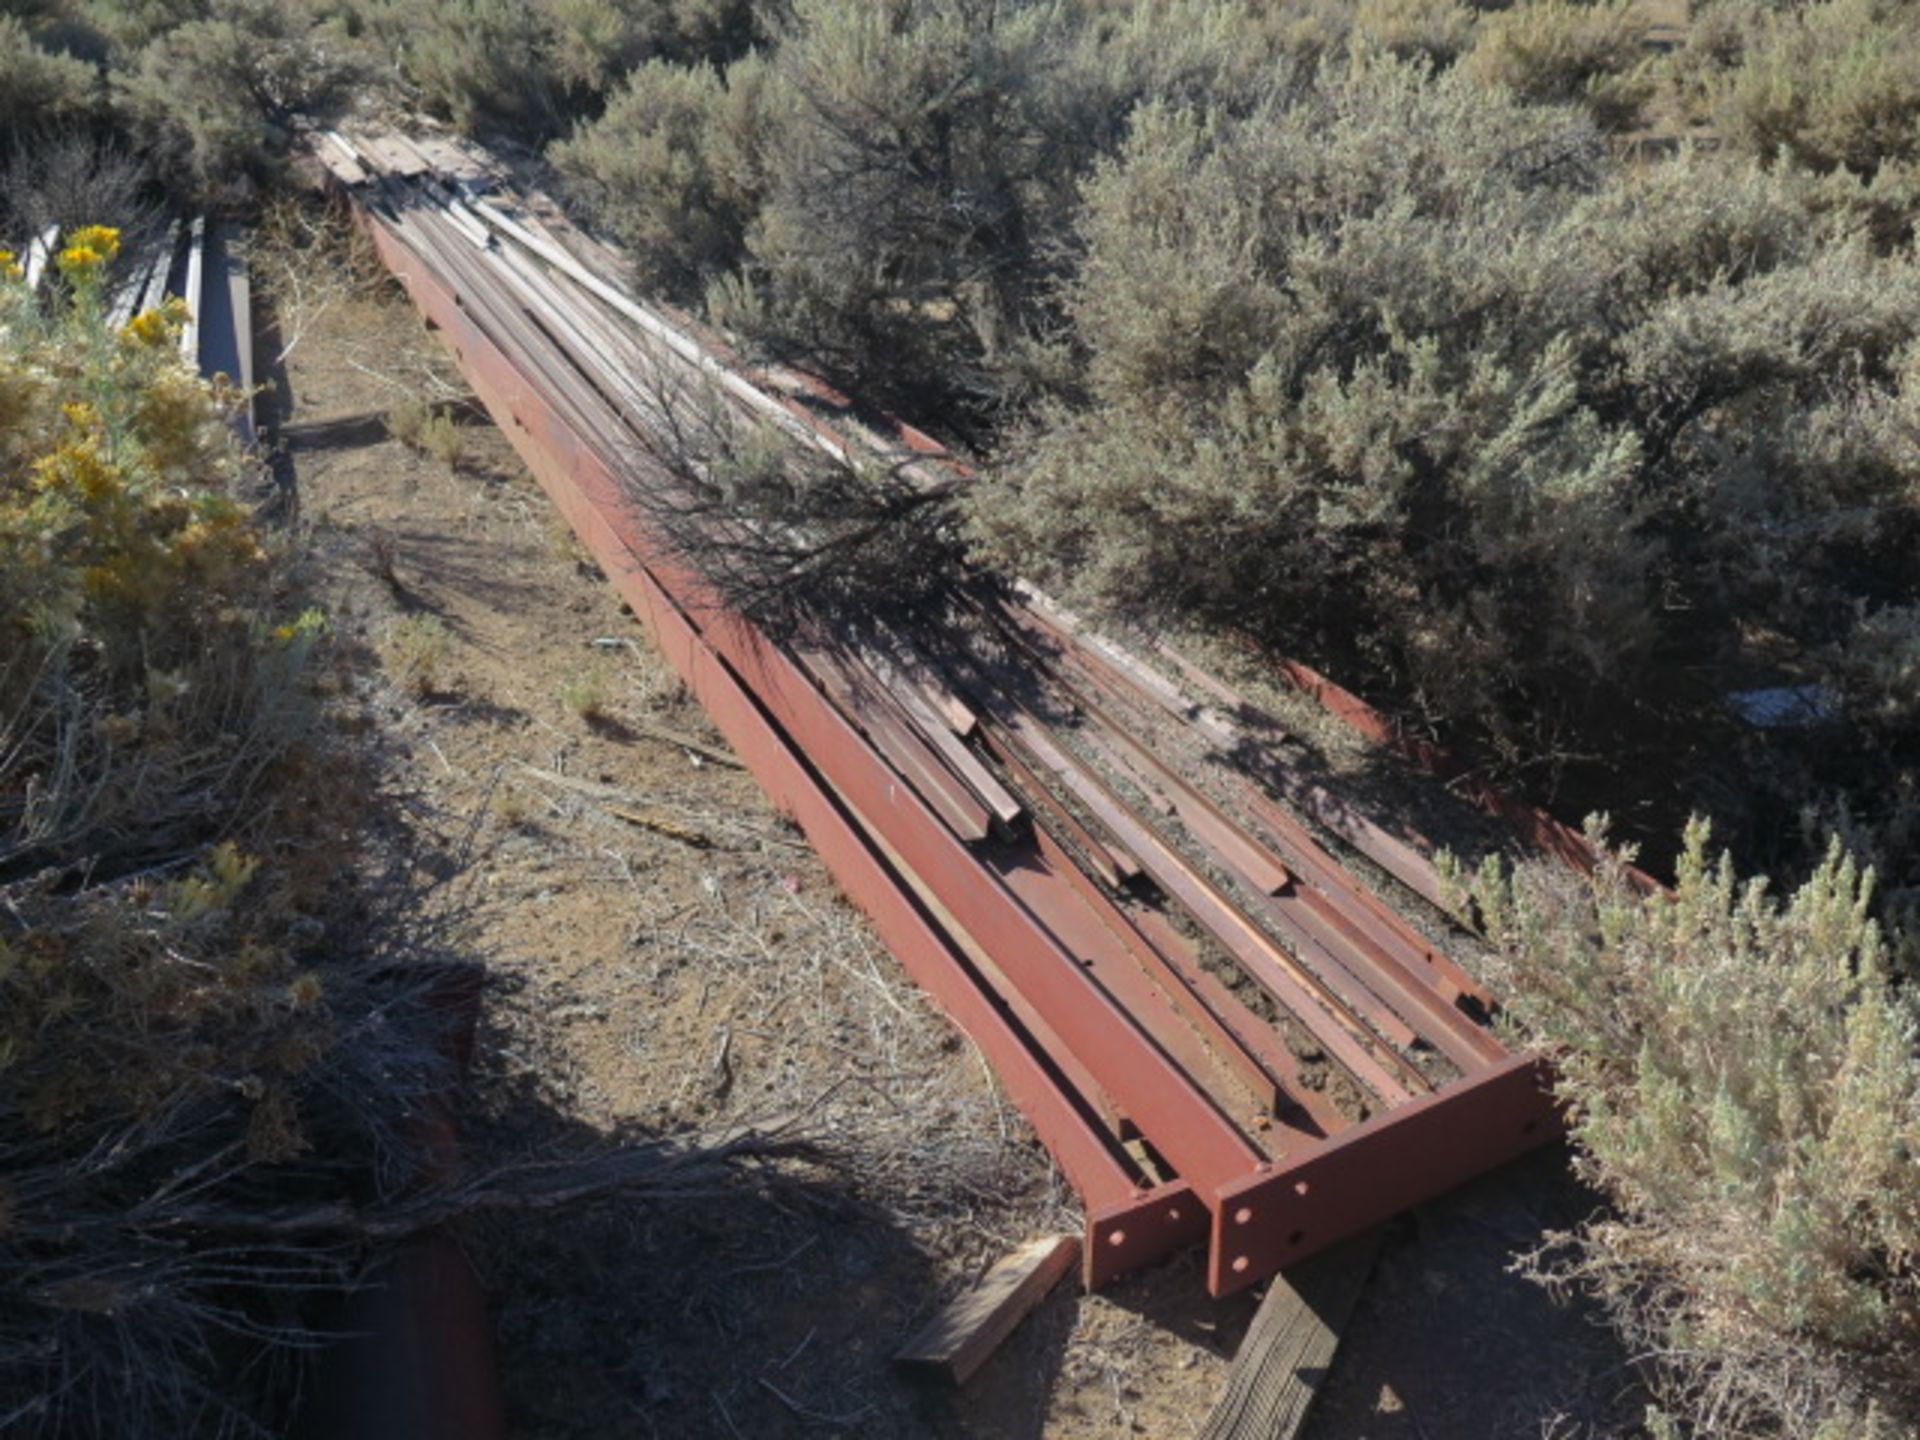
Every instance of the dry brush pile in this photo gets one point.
(172, 1038)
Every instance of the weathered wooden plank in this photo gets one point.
(959, 1339)
(1284, 1359)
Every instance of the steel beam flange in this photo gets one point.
(1377, 1169)
(1142, 1231)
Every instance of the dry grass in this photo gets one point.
(416, 652)
(429, 430)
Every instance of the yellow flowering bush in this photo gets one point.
(186, 1041)
(125, 557)
(90, 250)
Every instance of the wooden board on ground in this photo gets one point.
(960, 1338)
(1284, 1359)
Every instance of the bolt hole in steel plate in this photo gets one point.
(1377, 1169)
(1141, 1231)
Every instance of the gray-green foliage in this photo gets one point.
(218, 94)
(1827, 84)
(529, 66)
(898, 180)
(888, 187)
(655, 168)
(1559, 51)
(911, 166)
(208, 92)
(1743, 1085)
(1407, 364)
(39, 88)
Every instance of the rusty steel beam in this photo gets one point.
(1091, 1014)
(1330, 914)
(1111, 954)
(1226, 749)
(900, 745)
(1345, 1035)
(1152, 1221)
(1315, 930)
(1203, 1145)
(1206, 1147)
(1249, 1043)
(1361, 1177)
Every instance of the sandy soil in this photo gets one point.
(669, 958)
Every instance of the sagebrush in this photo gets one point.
(1741, 1075)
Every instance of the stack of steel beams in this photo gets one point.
(1225, 1028)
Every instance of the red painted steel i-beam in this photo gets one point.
(887, 848)
(1205, 1147)
(1150, 1222)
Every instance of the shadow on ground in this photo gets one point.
(1447, 1343)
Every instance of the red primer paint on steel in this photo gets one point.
(1335, 1027)
(1554, 837)
(1150, 1227)
(1106, 1182)
(1202, 1143)
(1373, 1171)
(1359, 912)
(1438, 1139)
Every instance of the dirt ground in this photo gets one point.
(668, 958)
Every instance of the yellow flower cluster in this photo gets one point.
(89, 250)
(9, 268)
(80, 468)
(103, 238)
(158, 326)
(78, 262)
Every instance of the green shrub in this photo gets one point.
(1564, 52)
(648, 169)
(588, 694)
(1741, 1076)
(532, 68)
(1405, 374)
(72, 178)
(1827, 85)
(476, 62)
(429, 430)
(39, 89)
(144, 686)
(217, 98)
(416, 651)
(910, 184)
(1436, 30)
